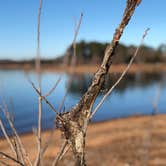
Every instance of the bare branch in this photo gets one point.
(65, 151)
(46, 101)
(47, 142)
(56, 160)
(7, 137)
(4, 155)
(156, 99)
(38, 70)
(53, 88)
(17, 147)
(120, 78)
(73, 59)
(23, 153)
(76, 121)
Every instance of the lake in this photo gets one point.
(133, 96)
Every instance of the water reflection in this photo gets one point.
(81, 83)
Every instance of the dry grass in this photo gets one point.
(147, 68)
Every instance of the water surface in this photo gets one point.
(133, 96)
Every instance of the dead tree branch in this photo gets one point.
(75, 121)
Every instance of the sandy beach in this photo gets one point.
(81, 69)
(133, 141)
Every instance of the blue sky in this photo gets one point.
(18, 22)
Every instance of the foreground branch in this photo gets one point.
(75, 122)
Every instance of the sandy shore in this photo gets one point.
(134, 141)
(147, 68)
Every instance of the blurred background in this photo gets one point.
(141, 92)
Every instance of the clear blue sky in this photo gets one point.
(18, 22)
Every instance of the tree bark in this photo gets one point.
(75, 122)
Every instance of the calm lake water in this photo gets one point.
(133, 96)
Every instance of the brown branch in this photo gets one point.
(4, 155)
(22, 152)
(48, 141)
(17, 146)
(59, 155)
(121, 77)
(76, 121)
(7, 137)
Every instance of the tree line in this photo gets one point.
(93, 52)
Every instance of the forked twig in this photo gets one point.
(122, 75)
(46, 101)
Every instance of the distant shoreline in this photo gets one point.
(115, 68)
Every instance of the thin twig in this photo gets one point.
(56, 160)
(156, 99)
(7, 137)
(73, 63)
(122, 75)
(73, 60)
(65, 151)
(22, 150)
(47, 143)
(17, 147)
(38, 70)
(46, 101)
(11, 158)
(53, 88)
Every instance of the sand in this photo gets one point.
(115, 68)
(133, 141)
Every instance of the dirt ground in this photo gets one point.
(133, 141)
